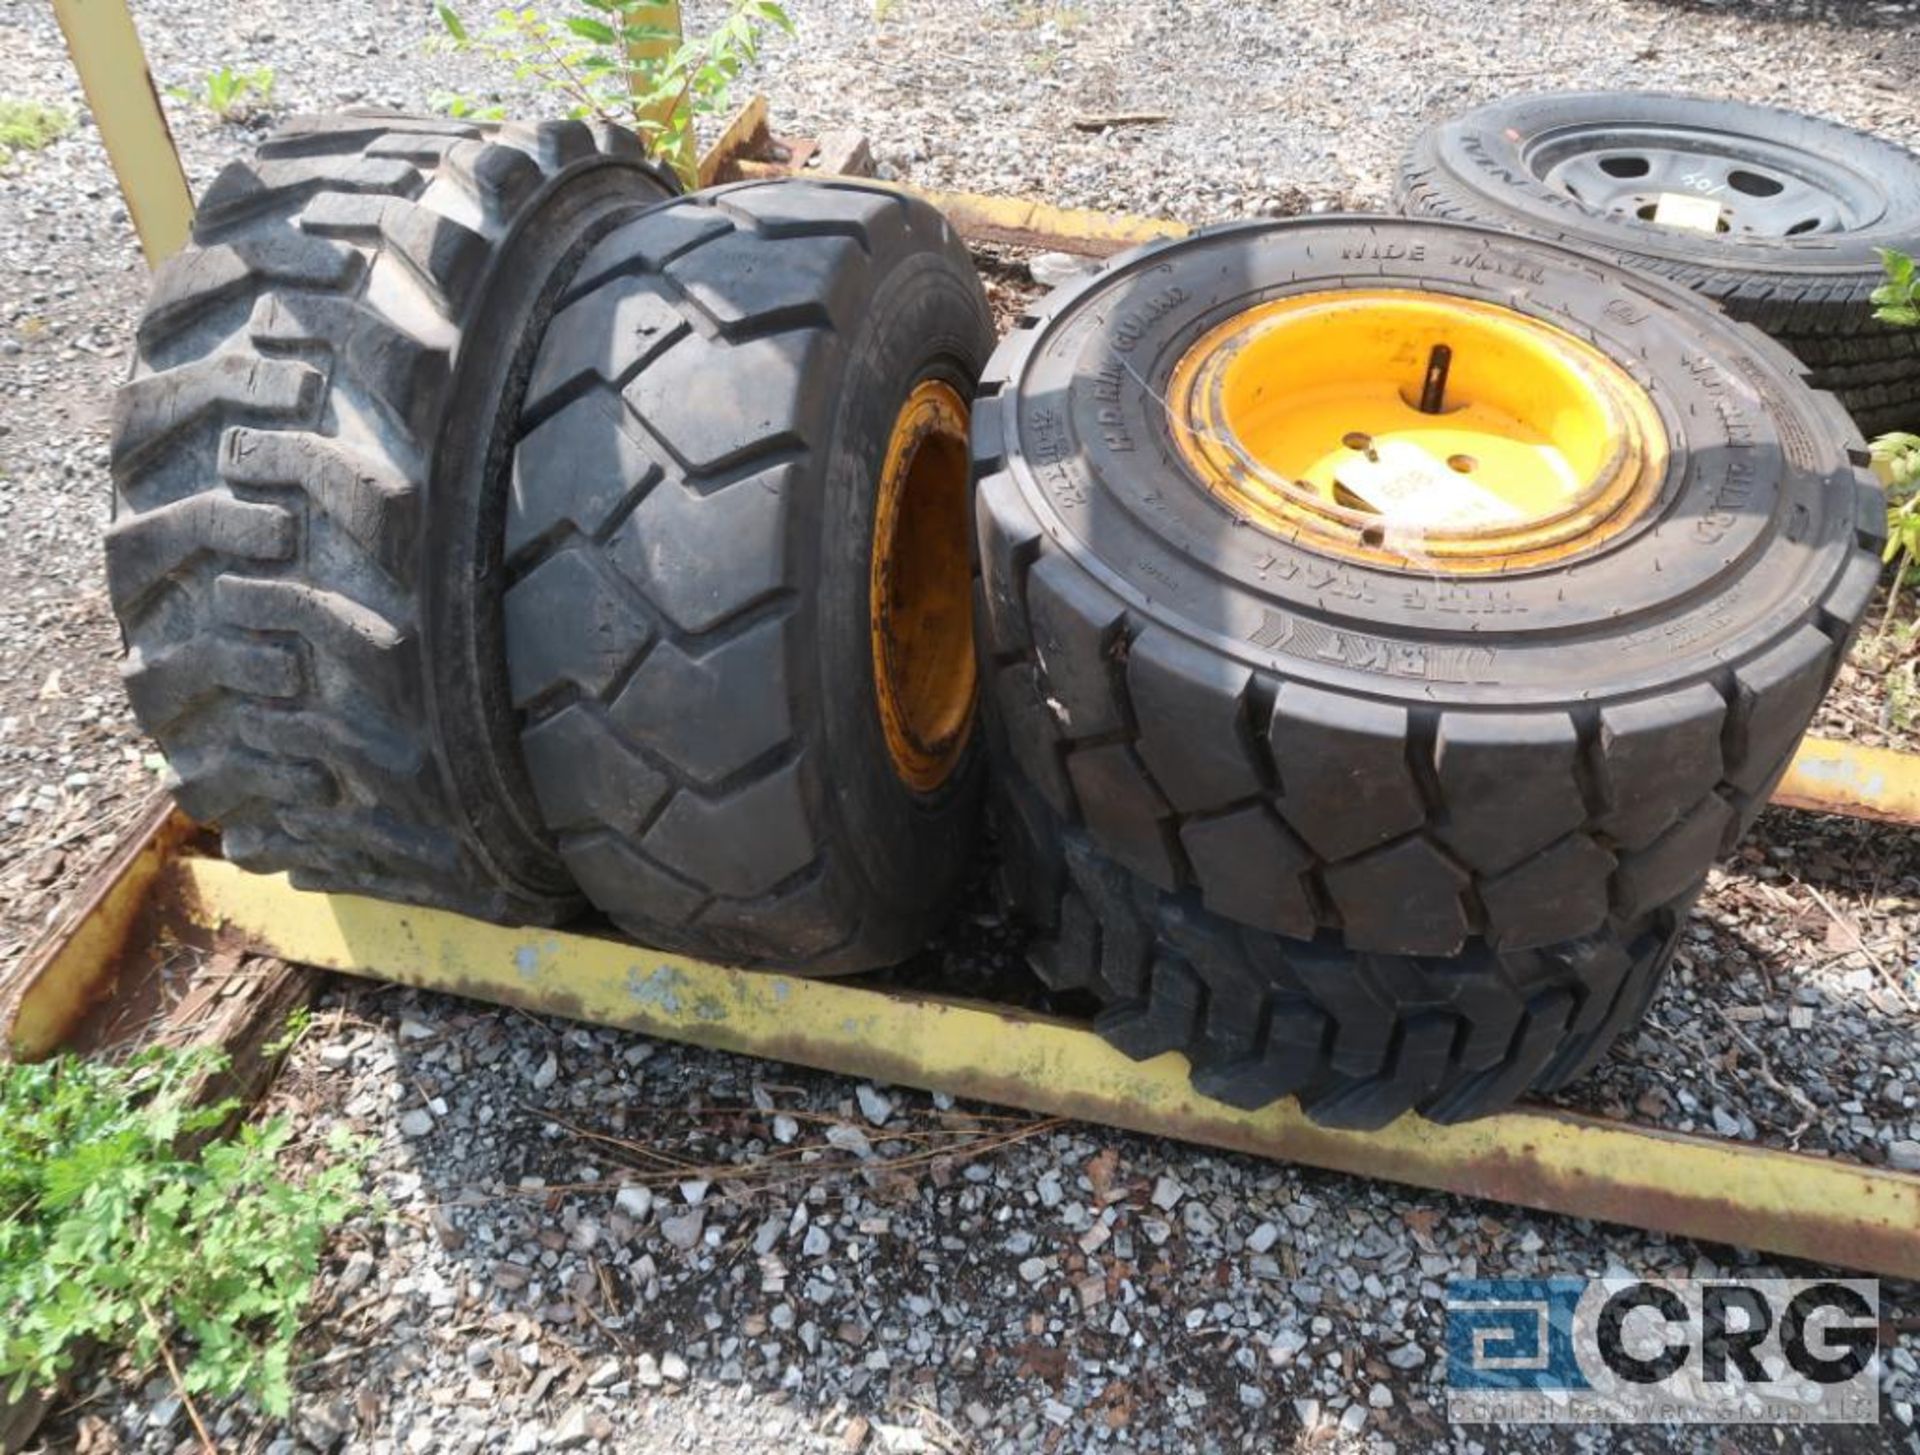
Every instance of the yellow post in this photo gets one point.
(113, 73)
(663, 18)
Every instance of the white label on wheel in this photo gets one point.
(1698, 214)
(1414, 491)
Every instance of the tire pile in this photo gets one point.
(1365, 631)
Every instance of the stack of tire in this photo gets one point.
(1413, 825)
(1372, 628)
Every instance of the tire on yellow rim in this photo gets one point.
(1390, 622)
(738, 620)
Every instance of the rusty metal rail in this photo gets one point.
(164, 888)
(1831, 777)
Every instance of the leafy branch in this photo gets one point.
(1897, 455)
(104, 1223)
(1897, 301)
(615, 63)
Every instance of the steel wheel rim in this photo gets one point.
(1299, 413)
(1765, 190)
(920, 589)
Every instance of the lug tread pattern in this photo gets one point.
(666, 425)
(1518, 828)
(262, 557)
(1359, 1038)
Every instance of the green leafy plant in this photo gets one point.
(109, 1235)
(1897, 456)
(614, 62)
(229, 94)
(29, 126)
(1897, 301)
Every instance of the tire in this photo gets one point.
(308, 468)
(1413, 764)
(1359, 1039)
(690, 549)
(1496, 166)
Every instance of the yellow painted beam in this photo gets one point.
(1781, 1202)
(1070, 229)
(1833, 777)
(133, 124)
(72, 970)
(663, 18)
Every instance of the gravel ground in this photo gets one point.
(950, 1278)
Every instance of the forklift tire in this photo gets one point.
(1323, 716)
(308, 466)
(1807, 205)
(738, 624)
(1359, 1039)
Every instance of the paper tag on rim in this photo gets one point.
(1412, 490)
(1681, 209)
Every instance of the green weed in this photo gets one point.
(614, 62)
(30, 126)
(229, 94)
(109, 1235)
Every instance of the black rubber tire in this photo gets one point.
(1810, 293)
(1323, 747)
(1359, 1039)
(309, 466)
(687, 625)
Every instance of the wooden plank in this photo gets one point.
(744, 135)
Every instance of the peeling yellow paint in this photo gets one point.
(1782, 1202)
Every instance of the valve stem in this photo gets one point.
(1433, 393)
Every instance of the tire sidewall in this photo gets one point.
(1486, 152)
(462, 577)
(1756, 520)
(922, 322)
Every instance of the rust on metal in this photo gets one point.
(1833, 777)
(1759, 1197)
(76, 967)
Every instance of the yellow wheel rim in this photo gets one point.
(1417, 429)
(921, 590)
